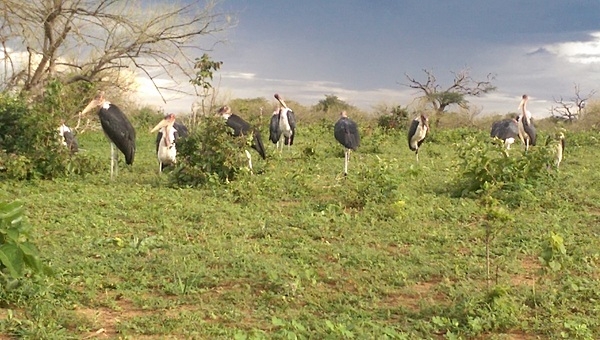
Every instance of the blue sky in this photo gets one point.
(361, 50)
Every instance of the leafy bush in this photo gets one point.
(16, 252)
(487, 167)
(146, 117)
(397, 119)
(210, 153)
(30, 146)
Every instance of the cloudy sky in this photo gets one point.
(360, 50)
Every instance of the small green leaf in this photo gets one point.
(277, 321)
(12, 258)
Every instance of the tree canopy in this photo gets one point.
(463, 86)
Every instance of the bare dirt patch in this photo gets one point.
(412, 296)
(530, 266)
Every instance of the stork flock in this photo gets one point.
(282, 130)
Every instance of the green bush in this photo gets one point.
(398, 119)
(30, 146)
(210, 153)
(146, 118)
(485, 166)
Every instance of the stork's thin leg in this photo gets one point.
(417, 153)
(112, 160)
(160, 167)
(346, 159)
(249, 160)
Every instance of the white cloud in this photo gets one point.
(583, 52)
(238, 75)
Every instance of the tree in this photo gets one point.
(572, 109)
(107, 41)
(462, 87)
(332, 102)
(205, 69)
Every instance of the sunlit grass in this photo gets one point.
(299, 250)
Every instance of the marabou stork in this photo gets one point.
(417, 133)
(506, 130)
(169, 132)
(558, 145)
(283, 123)
(241, 128)
(67, 138)
(346, 132)
(117, 128)
(526, 129)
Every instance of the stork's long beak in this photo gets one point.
(93, 104)
(522, 104)
(280, 100)
(162, 124)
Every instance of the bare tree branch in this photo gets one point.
(463, 85)
(573, 108)
(96, 38)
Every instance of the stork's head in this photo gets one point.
(224, 110)
(344, 114)
(524, 99)
(168, 121)
(94, 103)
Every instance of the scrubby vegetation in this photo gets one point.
(468, 243)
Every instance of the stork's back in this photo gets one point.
(119, 130)
(345, 131)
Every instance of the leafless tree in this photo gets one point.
(462, 87)
(573, 108)
(104, 41)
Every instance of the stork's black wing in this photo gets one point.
(412, 130)
(292, 121)
(71, 141)
(159, 136)
(119, 130)
(182, 130)
(346, 132)
(504, 129)
(239, 126)
(530, 131)
(258, 144)
(274, 132)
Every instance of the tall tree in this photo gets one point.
(463, 86)
(103, 40)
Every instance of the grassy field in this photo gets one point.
(297, 251)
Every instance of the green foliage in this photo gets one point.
(511, 175)
(476, 314)
(332, 103)
(12, 111)
(17, 253)
(554, 253)
(397, 119)
(210, 153)
(146, 118)
(31, 146)
(447, 98)
(205, 68)
(386, 253)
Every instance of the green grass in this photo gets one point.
(299, 251)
